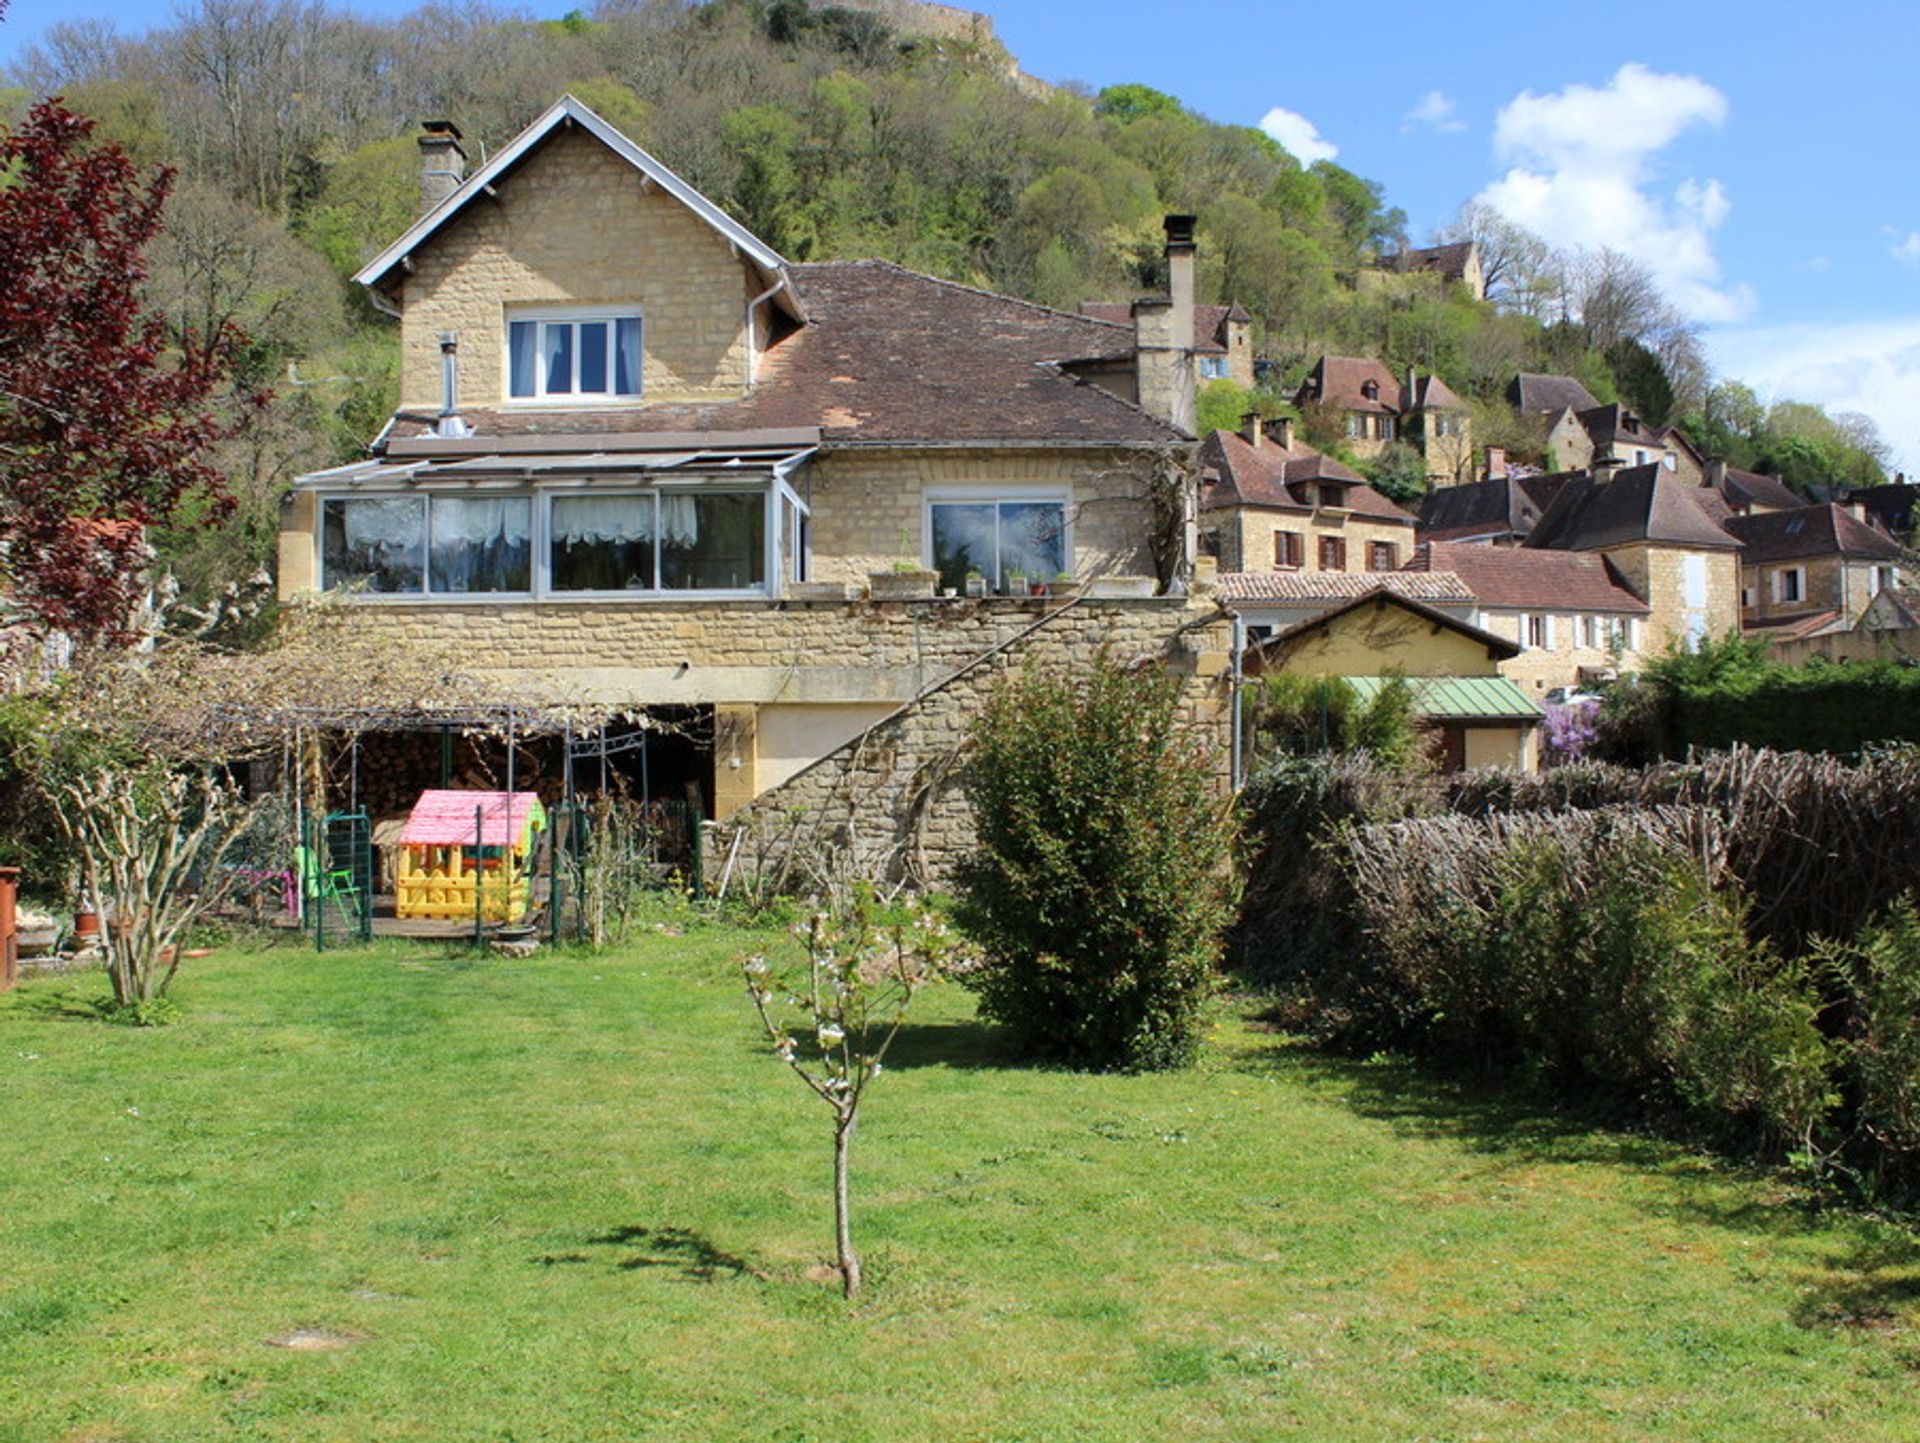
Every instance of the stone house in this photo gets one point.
(1456, 263)
(1269, 504)
(643, 462)
(1499, 511)
(1582, 433)
(1750, 493)
(1375, 409)
(1809, 562)
(1660, 541)
(1571, 614)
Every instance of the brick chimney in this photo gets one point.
(1163, 334)
(443, 164)
(1496, 463)
(1251, 430)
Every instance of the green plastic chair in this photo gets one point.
(317, 884)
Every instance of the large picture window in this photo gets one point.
(662, 541)
(378, 543)
(998, 538)
(571, 356)
(446, 545)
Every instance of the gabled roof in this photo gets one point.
(1751, 488)
(1636, 503)
(1894, 609)
(1499, 648)
(1512, 577)
(1506, 506)
(564, 112)
(891, 356)
(1448, 260)
(1607, 422)
(1533, 395)
(1288, 478)
(1330, 588)
(1340, 382)
(1810, 531)
(1210, 323)
(1430, 393)
(1458, 698)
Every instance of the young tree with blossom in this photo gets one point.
(832, 1018)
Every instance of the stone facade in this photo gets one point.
(1565, 650)
(888, 802)
(580, 227)
(1826, 583)
(1246, 538)
(1690, 594)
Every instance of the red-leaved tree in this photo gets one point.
(107, 421)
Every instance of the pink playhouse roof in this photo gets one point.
(446, 818)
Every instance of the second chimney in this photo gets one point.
(1163, 334)
(443, 164)
(1252, 430)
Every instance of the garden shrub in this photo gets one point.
(1876, 976)
(1102, 879)
(1592, 952)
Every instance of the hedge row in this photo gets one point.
(1721, 942)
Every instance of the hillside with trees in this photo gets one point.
(291, 125)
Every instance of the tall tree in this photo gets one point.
(107, 421)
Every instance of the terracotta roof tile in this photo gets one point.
(1509, 576)
(1635, 503)
(1209, 322)
(1826, 530)
(1751, 488)
(892, 355)
(1313, 587)
(1271, 475)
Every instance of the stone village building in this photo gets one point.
(643, 462)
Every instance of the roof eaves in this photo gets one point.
(561, 111)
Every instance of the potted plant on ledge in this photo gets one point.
(906, 581)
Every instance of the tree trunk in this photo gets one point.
(842, 1222)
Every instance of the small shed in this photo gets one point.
(466, 853)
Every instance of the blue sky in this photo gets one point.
(1755, 154)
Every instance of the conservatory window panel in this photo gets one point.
(601, 543)
(481, 544)
(378, 543)
(713, 541)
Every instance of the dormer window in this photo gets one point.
(1370, 389)
(573, 355)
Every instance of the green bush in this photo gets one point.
(1877, 975)
(1102, 880)
(1302, 714)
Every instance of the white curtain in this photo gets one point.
(679, 520)
(397, 522)
(602, 518)
(475, 522)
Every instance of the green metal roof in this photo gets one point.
(1458, 698)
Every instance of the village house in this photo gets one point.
(643, 462)
(1652, 529)
(1813, 566)
(1750, 493)
(1581, 433)
(1374, 410)
(1268, 503)
(1571, 614)
(1455, 263)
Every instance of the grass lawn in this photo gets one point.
(572, 1199)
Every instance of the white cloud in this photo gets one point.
(1580, 173)
(1906, 247)
(1436, 110)
(1869, 366)
(1300, 136)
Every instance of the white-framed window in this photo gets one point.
(1537, 632)
(1746, 598)
(998, 533)
(445, 545)
(1357, 425)
(573, 354)
(1693, 580)
(571, 543)
(1885, 578)
(1385, 424)
(666, 540)
(1623, 634)
(1213, 368)
(1590, 632)
(1789, 583)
